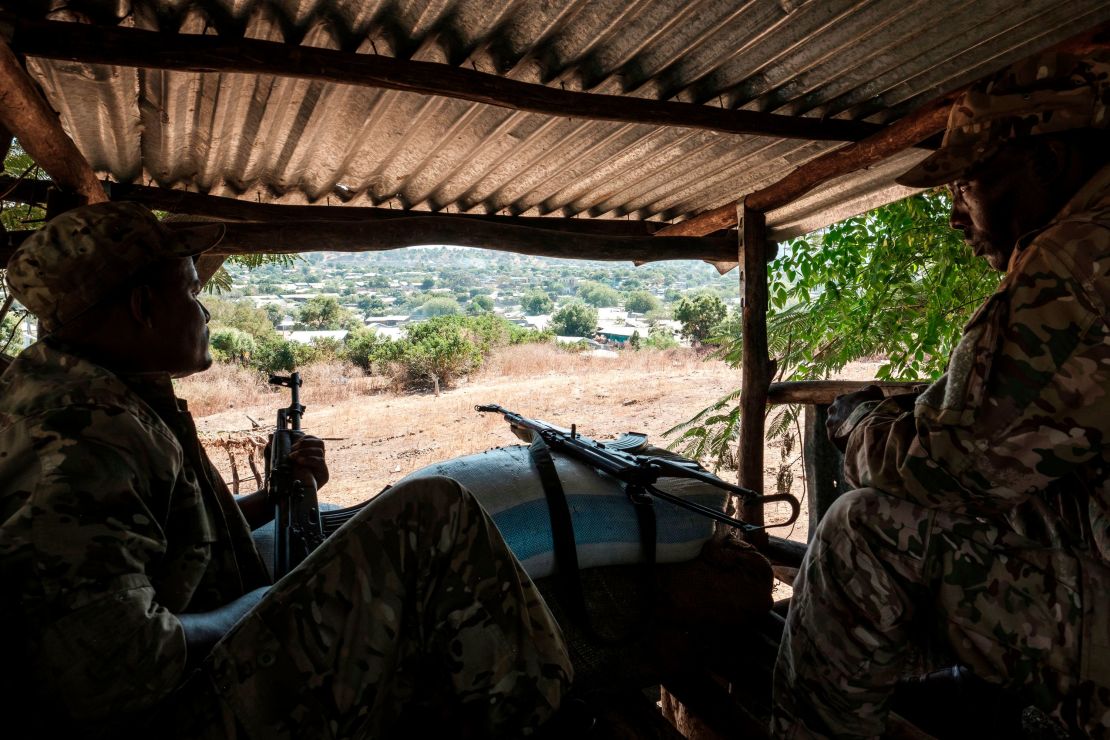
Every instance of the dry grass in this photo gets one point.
(376, 436)
(532, 360)
(225, 387)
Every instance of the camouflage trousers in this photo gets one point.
(890, 589)
(413, 617)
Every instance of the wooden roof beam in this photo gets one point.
(26, 115)
(131, 47)
(374, 236)
(904, 133)
(233, 209)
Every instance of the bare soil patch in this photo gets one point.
(375, 437)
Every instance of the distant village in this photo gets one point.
(387, 291)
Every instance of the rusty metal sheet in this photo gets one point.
(297, 141)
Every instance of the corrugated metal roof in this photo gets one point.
(298, 141)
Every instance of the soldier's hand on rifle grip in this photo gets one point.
(307, 456)
(522, 433)
(842, 408)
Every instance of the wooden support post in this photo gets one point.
(29, 118)
(755, 371)
(824, 465)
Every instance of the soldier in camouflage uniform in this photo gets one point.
(132, 598)
(980, 532)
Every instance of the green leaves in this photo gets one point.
(699, 315)
(896, 283)
(575, 319)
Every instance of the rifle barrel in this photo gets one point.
(643, 471)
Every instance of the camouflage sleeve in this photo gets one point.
(1025, 399)
(103, 645)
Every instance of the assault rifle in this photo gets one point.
(640, 473)
(297, 527)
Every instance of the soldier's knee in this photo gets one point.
(435, 493)
(850, 514)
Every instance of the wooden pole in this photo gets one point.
(28, 117)
(824, 392)
(755, 367)
(347, 236)
(80, 42)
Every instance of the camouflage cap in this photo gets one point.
(1044, 94)
(82, 256)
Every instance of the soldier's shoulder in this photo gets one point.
(43, 396)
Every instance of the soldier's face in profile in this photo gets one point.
(180, 321)
(998, 201)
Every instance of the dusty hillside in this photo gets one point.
(376, 436)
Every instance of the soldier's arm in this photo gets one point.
(256, 507)
(308, 458)
(103, 644)
(204, 629)
(1025, 400)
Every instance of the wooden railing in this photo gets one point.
(823, 462)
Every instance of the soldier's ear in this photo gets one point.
(142, 306)
(1051, 160)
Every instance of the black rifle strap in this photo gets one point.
(562, 530)
(566, 552)
(644, 505)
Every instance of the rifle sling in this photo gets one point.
(565, 550)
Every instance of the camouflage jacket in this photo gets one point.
(1019, 426)
(112, 521)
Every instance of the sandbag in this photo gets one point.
(606, 532)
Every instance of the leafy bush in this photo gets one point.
(641, 301)
(326, 349)
(480, 304)
(897, 282)
(575, 319)
(232, 345)
(322, 313)
(597, 294)
(660, 337)
(275, 355)
(536, 302)
(438, 350)
(366, 349)
(243, 316)
(440, 306)
(444, 348)
(699, 315)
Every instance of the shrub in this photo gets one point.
(439, 307)
(660, 337)
(536, 302)
(699, 315)
(275, 355)
(641, 301)
(575, 319)
(437, 350)
(364, 347)
(480, 304)
(598, 294)
(322, 312)
(232, 345)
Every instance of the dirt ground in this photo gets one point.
(376, 437)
